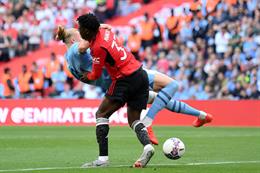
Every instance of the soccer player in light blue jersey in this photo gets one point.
(162, 86)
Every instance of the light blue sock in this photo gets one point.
(162, 99)
(181, 107)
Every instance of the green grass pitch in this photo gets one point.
(64, 149)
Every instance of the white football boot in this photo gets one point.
(145, 157)
(95, 163)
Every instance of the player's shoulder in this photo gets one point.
(74, 48)
(72, 51)
(105, 36)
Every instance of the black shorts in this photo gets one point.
(133, 90)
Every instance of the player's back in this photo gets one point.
(119, 62)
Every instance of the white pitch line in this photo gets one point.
(119, 166)
(38, 169)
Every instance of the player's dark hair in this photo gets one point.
(88, 26)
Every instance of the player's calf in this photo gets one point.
(141, 132)
(102, 129)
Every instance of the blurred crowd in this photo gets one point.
(51, 80)
(26, 25)
(212, 48)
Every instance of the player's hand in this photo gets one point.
(84, 78)
(106, 26)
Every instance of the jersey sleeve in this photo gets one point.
(98, 62)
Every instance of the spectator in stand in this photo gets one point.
(106, 9)
(162, 64)
(126, 7)
(197, 31)
(24, 82)
(196, 7)
(67, 93)
(11, 34)
(22, 43)
(220, 17)
(186, 32)
(235, 40)
(134, 42)
(173, 26)
(92, 92)
(100, 11)
(68, 13)
(4, 47)
(147, 26)
(51, 67)
(70, 77)
(34, 33)
(47, 26)
(253, 93)
(111, 8)
(120, 39)
(60, 20)
(18, 9)
(157, 32)
(59, 80)
(249, 46)
(222, 40)
(8, 85)
(38, 79)
(251, 6)
(22, 24)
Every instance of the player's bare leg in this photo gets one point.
(141, 133)
(106, 109)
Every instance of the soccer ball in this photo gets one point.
(173, 148)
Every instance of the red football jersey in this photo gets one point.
(106, 51)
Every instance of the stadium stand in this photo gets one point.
(211, 46)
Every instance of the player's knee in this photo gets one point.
(152, 96)
(174, 85)
(100, 114)
(168, 91)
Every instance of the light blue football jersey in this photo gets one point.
(80, 63)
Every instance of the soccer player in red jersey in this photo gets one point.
(129, 85)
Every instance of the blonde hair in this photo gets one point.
(65, 34)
